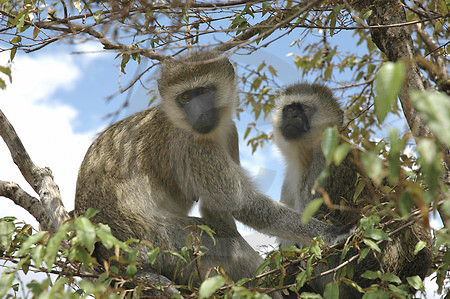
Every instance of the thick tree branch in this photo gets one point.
(21, 198)
(40, 179)
(396, 43)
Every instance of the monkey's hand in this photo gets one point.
(338, 234)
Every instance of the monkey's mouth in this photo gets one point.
(291, 131)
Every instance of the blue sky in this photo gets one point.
(57, 105)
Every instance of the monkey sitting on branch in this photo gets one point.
(145, 172)
(303, 113)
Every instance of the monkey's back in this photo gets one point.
(126, 174)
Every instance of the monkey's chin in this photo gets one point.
(204, 129)
(291, 132)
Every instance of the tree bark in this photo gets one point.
(397, 44)
(40, 179)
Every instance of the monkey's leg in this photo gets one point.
(228, 249)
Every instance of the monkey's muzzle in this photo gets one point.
(295, 121)
(201, 112)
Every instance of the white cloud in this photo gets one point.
(43, 123)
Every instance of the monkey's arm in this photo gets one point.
(233, 150)
(224, 188)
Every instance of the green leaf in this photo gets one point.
(308, 295)
(209, 231)
(390, 277)
(435, 108)
(131, 269)
(371, 274)
(359, 188)
(430, 162)
(388, 83)
(329, 143)
(37, 254)
(311, 209)
(398, 290)
(5, 283)
(54, 244)
(376, 234)
(373, 166)
(123, 63)
(362, 255)
(372, 244)
(153, 254)
(341, 152)
(2, 84)
(376, 294)
(31, 241)
(86, 232)
(77, 4)
(210, 286)
(415, 282)
(405, 203)
(397, 145)
(178, 255)
(331, 291)
(262, 266)
(91, 213)
(15, 40)
(13, 53)
(301, 279)
(419, 246)
(7, 71)
(103, 232)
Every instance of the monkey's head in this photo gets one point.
(304, 111)
(198, 92)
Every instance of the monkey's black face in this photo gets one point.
(296, 120)
(199, 105)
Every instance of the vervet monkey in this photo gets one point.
(145, 172)
(304, 111)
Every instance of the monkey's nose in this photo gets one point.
(206, 121)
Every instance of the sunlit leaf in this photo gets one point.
(390, 277)
(372, 244)
(435, 108)
(430, 161)
(31, 241)
(373, 166)
(371, 274)
(210, 286)
(341, 152)
(388, 83)
(396, 146)
(376, 294)
(416, 282)
(331, 291)
(311, 209)
(86, 232)
(419, 246)
(329, 143)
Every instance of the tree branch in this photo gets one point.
(21, 198)
(40, 179)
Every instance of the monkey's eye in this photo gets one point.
(204, 90)
(185, 97)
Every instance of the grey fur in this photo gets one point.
(305, 161)
(145, 172)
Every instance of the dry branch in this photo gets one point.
(21, 198)
(40, 179)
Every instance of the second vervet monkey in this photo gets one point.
(304, 111)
